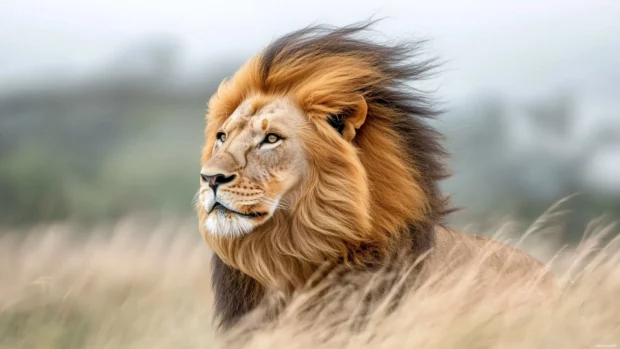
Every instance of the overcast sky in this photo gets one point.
(490, 45)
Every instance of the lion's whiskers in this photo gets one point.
(279, 203)
(196, 200)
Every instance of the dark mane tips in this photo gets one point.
(399, 64)
(394, 61)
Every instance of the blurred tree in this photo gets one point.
(520, 159)
(125, 139)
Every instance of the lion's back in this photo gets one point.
(493, 264)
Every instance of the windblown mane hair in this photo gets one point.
(387, 91)
(324, 69)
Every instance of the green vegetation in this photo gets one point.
(99, 149)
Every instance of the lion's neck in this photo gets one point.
(238, 291)
(286, 251)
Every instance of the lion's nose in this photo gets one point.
(215, 180)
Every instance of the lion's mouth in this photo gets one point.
(218, 207)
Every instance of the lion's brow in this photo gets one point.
(239, 123)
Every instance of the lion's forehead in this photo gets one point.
(256, 115)
(247, 127)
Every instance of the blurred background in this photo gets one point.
(102, 103)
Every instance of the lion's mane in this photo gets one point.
(396, 202)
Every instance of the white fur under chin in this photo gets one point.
(229, 226)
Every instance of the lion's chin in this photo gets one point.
(231, 225)
(226, 222)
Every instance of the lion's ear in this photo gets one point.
(347, 123)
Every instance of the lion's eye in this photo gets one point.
(221, 136)
(271, 138)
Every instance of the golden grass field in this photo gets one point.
(143, 282)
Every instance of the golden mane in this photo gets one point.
(364, 200)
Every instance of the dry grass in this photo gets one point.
(142, 283)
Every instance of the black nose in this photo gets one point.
(217, 179)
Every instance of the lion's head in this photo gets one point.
(316, 150)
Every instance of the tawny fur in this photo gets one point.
(370, 192)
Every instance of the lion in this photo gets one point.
(318, 150)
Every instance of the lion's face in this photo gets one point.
(256, 163)
(313, 153)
